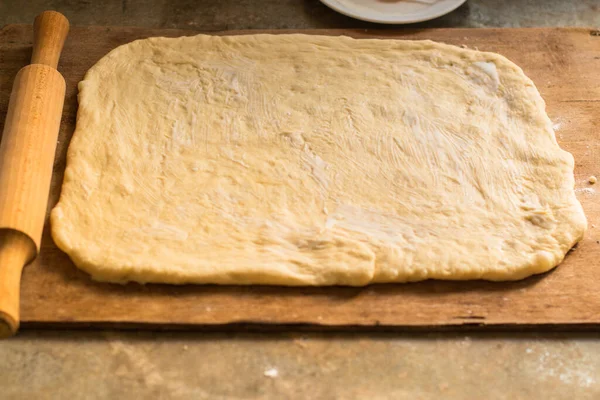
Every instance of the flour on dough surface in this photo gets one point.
(312, 160)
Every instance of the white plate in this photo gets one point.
(394, 11)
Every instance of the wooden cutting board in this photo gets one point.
(563, 63)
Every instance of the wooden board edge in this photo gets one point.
(262, 327)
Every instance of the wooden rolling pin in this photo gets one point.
(26, 160)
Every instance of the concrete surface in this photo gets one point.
(113, 365)
(160, 365)
(254, 14)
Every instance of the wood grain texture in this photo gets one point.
(562, 62)
(28, 149)
(26, 158)
(50, 30)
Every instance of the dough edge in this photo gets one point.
(541, 262)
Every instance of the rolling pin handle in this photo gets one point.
(50, 30)
(16, 249)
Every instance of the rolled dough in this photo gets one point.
(312, 160)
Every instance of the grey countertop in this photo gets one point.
(112, 365)
(55, 364)
(292, 14)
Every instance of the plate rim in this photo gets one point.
(353, 13)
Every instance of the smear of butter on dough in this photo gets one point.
(490, 69)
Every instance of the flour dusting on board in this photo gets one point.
(587, 191)
(271, 373)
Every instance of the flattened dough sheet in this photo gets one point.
(312, 160)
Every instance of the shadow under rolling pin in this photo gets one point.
(26, 160)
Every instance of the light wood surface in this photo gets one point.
(26, 159)
(564, 64)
